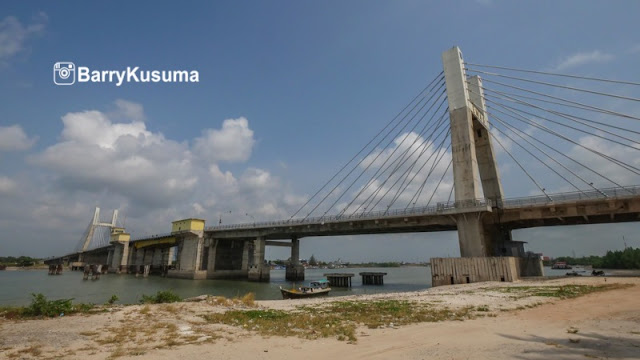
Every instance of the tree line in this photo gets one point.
(628, 258)
(18, 261)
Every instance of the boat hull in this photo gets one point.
(289, 294)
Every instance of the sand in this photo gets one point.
(597, 325)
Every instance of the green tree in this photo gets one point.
(313, 261)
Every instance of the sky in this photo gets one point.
(287, 92)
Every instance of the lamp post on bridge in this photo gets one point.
(220, 219)
(252, 218)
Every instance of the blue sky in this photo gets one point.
(303, 86)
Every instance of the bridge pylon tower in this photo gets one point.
(95, 222)
(475, 170)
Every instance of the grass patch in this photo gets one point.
(247, 300)
(338, 319)
(561, 292)
(161, 297)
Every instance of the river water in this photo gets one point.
(16, 287)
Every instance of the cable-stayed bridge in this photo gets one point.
(569, 142)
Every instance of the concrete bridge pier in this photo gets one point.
(257, 269)
(190, 252)
(294, 270)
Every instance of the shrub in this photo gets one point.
(113, 299)
(40, 306)
(161, 297)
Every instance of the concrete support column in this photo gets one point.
(171, 255)
(211, 266)
(258, 271)
(109, 257)
(189, 258)
(294, 271)
(471, 236)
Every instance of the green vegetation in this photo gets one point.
(562, 292)
(21, 261)
(113, 299)
(628, 258)
(161, 297)
(338, 319)
(40, 306)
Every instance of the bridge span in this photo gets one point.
(192, 250)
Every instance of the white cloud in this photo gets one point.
(14, 35)
(129, 110)
(604, 166)
(7, 185)
(13, 138)
(232, 143)
(583, 58)
(113, 160)
(393, 173)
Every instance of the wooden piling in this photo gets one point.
(339, 279)
(372, 278)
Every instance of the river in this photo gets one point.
(16, 287)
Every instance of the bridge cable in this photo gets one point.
(594, 108)
(520, 97)
(377, 156)
(371, 198)
(423, 146)
(619, 162)
(403, 187)
(535, 124)
(519, 134)
(401, 190)
(439, 78)
(549, 146)
(556, 74)
(399, 162)
(564, 102)
(416, 196)
(439, 182)
(378, 173)
(439, 154)
(557, 85)
(540, 160)
(520, 165)
(450, 193)
(406, 170)
(570, 118)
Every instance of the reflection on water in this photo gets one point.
(17, 286)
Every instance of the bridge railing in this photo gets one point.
(425, 210)
(441, 208)
(612, 193)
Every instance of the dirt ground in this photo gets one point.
(600, 325)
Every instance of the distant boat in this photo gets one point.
(315, 288)
(561, 265)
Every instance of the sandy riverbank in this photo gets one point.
(501, 321)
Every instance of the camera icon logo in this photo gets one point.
(64, 73)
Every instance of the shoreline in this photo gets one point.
(203, 328)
